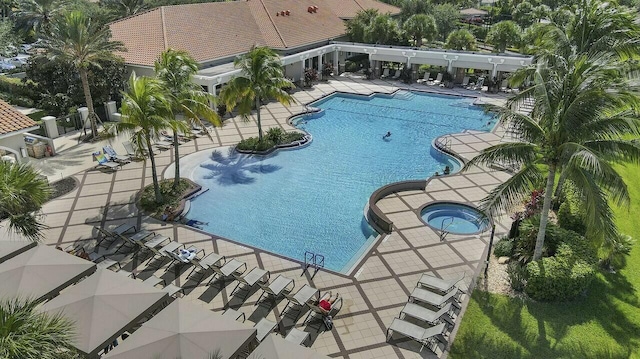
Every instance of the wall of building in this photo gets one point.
(14, 142)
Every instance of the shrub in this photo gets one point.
(275, 135)
(504, 248)
(558, 279)
(565, 275)
(614, 251)
(570, 213)
(292, 136)
(253, 144)
(517, 276)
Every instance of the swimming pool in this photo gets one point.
(313, 198)
(454, 218)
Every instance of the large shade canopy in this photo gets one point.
(103, 306)
(11, 248)
(41, 272)
(185, 330)
(275, 347)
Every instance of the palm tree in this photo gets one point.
(580, 118)
(420, 26)
(22, 193)
(27, 333)
(261, 78)
(176, 69)
(81, 42)
(123, 8)
(39, 15)
(145, 112)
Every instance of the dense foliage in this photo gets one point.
(56, 87)
(274, 137)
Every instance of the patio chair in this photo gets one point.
(228, 269)
(297, 336)
(250, 279)
(504, 86)
(427, 315)
(397, 74)
(316, 311)
(438, 80)
(425, 78)
(103, 161)
(276, 288)
(205, 263)
(135, 242)
(480, 84)
(178, 260)
(163, 145)
(437, 284)
(425, 336)
(164, 251)
(385, 73)
(301, 298)
(234, 314)
(113, 233)
(114, 156)
(434, 299)
(465, 81)
(128, 147)
(263, 328)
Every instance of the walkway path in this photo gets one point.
(373, 295)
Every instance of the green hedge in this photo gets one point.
(504, 248)
(566, 274)
(275, 136)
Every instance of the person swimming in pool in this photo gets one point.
(387, 135)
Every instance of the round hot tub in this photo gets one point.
(454, 218)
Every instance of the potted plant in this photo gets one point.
(447, 79)
(310, 75)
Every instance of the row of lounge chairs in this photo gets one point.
(432, 302)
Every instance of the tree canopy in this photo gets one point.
(419, 27)
(461, 40)
(504, 34)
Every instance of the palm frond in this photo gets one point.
(512, 192)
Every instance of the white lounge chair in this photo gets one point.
(438, 80)
(504, 86)
(425, 336)
(434, 299)
(207, 262)
(228, 269)
(385, 73)
(114, 156)
(297, 336)
(250, 279)
(427, 315)
(302, 297)
(437, 284)
(263, 328)
(276, 288)
(397, 74)
(465, 81)
(425, 78)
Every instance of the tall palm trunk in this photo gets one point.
(176, 153)
(561, 181)
(87, 98)
(544, 216)
(154, 173)
(258, 116)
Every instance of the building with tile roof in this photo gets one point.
(215, 33)
(13, 126)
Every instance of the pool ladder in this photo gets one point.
(443, 228)
(314, 260)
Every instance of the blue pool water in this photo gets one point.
(313, 198)
(454, 218)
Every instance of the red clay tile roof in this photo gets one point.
(211, 31)
(12, 120)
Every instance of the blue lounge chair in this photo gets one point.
(114, 156)
(104, 162)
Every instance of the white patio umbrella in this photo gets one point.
(185, 330)
(41, 272)
(10, 248)
(103, 306)
(275, 347)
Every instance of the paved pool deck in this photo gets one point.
(372, 295)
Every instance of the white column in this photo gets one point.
(50, 126)
(336, 68)
(320, 66)
(303, 66)
(494, 72)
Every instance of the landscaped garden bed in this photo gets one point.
(173, 199)
(273, 139)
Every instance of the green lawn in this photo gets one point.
(603, 324)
